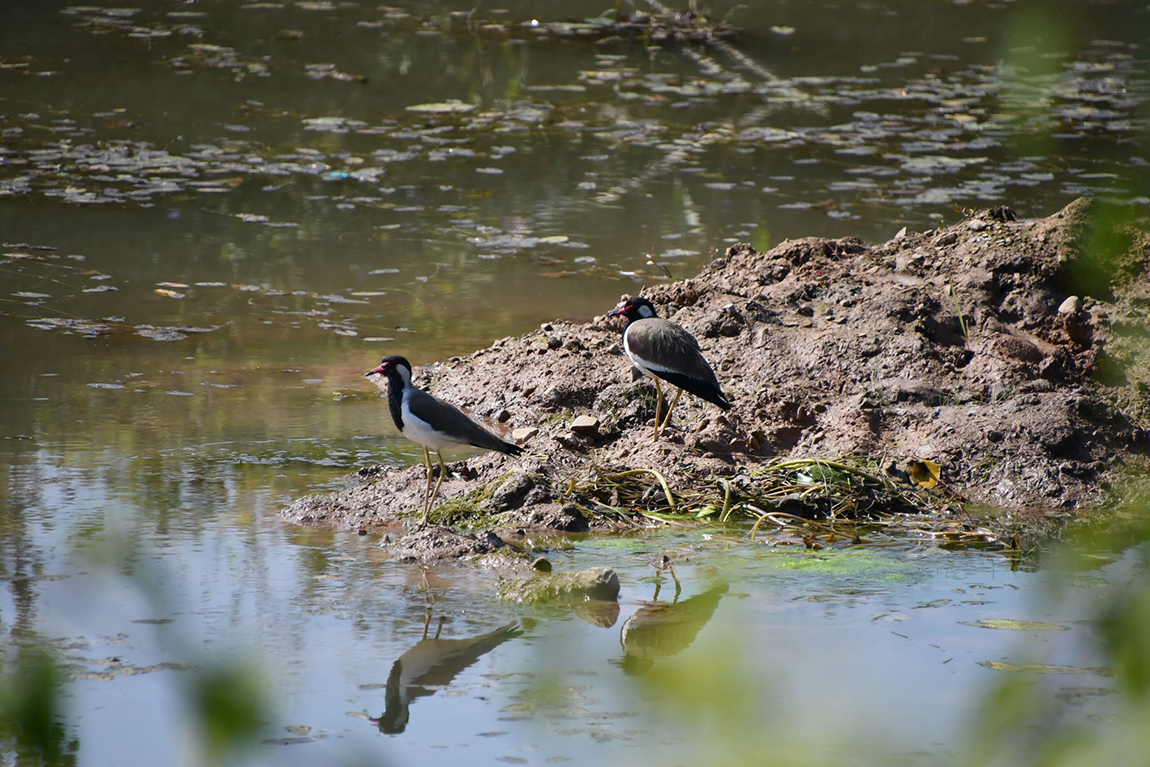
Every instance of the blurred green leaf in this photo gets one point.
(229, 703)
(30, 712)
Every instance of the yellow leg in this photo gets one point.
(427, 487)
(442, 474)
(667, 418)
(658, 408)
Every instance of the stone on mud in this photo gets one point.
(595, 583)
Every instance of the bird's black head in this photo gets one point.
(636, 308)
(391, 366)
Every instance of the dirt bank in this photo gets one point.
(1011, 353)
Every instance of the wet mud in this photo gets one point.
(1011, 353)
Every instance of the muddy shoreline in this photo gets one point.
(1011, 353)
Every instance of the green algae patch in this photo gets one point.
(473, 511)
(1042, 668)
(466, 512)
(849, 563)
(1006, 624)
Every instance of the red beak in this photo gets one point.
(374, 371)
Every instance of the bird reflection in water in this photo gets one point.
(430, 665)
(659, 629)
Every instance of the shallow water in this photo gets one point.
(811, 655)
(872, 647)
(209, 234)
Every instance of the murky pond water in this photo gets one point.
(216, 216)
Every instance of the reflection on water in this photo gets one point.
(430, 665)
(659, 630)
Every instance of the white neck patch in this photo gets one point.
(404, 374)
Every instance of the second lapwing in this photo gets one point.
(431, 422)
(663, 350)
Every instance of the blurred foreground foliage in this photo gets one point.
(227, 702)
(32, 728)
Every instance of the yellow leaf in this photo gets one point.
(925, 473)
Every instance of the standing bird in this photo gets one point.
(430, 422)
(661, 349)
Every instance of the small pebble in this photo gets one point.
(585, 424)
(524, 434)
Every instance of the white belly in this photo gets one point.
(420, 432)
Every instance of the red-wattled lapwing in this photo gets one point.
(430, 422)
(661, 349)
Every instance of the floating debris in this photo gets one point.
(452, 106)
(160, 334)
(87, 328)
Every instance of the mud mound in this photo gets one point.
(1005, 351)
